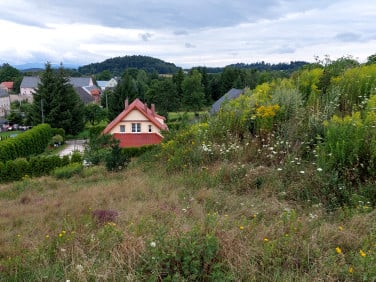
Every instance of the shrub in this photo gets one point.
(116, 160)
(67, 171)
(193, 256)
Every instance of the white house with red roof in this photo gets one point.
(137, 125)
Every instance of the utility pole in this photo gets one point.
(41, 107)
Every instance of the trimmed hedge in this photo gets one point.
(14, 170)
(32, 142)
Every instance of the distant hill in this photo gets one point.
(35, 67)
(262, 66)
(118, 65)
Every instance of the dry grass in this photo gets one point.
(261, 236)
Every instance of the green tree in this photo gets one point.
(56, 102)
(94, 113)
(162, 93)
(126, 89)
(9, 73)
(193, 91)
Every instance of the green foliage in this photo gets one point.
(345, 148)
(98, 149)
(94, 113)
(117, 65)
(76, 157)
(193, 91)
(9, 73)
(67, 171)
(31, 142)
(56, 103)
(116, 160)
(193, 256)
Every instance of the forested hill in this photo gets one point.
(262, 66)
(117, 65)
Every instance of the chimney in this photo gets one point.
(126, 104)
(153, 109)
(146, 107)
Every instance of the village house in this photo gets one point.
(84, 87)
(137, 125)
(4, 102)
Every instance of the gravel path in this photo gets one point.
(73, 145)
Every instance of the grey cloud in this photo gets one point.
(180, 15)
(181, 32)
(348, 37)
(189, 45)
(283, 50)
(146, 36)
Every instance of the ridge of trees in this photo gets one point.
(117, 65)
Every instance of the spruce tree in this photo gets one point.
(56, 102)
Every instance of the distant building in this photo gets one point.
(232, 94)
(137, 125)
(83, 86)
(4, 102)
(105, 84)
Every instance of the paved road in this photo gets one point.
(73, 145)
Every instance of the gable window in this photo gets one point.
(149, 128)
(136, 127)
(122, 128)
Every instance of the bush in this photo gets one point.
(31, 142)
(67, 171)
(116, 160)
(193, 256)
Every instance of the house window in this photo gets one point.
(122, 128)
(136, 127)
(149, 128)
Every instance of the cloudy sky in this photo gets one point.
(187, 33)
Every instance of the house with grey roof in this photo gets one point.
(29, 85)
(232, 94)
(4, 102)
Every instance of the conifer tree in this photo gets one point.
(56, 103)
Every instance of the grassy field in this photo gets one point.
(144, 224)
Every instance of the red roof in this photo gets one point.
(7, 84)
(141, 107)
(137, 139)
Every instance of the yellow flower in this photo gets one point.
(340, 228)
(362, 254)
(338, 250)
(241, 227)
(266, 239)
(351, 270)
(47, 236)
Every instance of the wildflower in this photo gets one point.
(351, 270)
(153, 244)
(340, 228)
(79, 268)
(319, 169)
(241, 227)
(47, 236)
(279, 169)
(338, 250)
(362, 254)
(302, 171)
(266, 240)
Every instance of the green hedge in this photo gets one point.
(14, 170)
(137, 151)
(33, 141)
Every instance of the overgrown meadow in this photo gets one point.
(278, 186)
